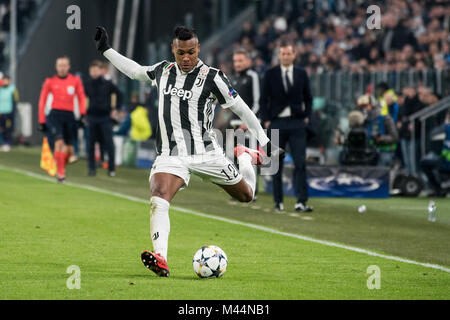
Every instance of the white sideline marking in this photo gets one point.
(240, 223)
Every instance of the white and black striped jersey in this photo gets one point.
(186, 107)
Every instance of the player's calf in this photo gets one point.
(242, 191)
(247, 195)
(244, 197)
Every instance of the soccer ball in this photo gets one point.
(210, 262)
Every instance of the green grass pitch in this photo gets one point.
(45, 228)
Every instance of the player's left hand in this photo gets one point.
(101, 39)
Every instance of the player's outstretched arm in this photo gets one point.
(229, 98)
(243, 111)
(127, 66)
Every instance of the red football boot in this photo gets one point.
(156, 263)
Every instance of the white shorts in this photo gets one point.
(210, 167)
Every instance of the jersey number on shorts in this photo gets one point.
(233, 172)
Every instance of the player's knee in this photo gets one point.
(160, 193)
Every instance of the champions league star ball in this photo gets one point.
(210, 262)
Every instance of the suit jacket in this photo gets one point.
(274, 98)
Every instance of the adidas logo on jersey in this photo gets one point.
(180, 93)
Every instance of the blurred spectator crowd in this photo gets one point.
(25, 11)
(332, 35)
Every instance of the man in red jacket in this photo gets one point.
(61, 92)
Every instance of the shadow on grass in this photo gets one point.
(152, 276)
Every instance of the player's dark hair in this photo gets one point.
(184, 33)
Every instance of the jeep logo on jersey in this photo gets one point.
(180, 93)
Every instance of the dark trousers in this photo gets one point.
(6, 127)
(430, 167)
(292, 131)
(100, 129)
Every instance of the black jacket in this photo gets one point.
(247, 84)
(99, 92)
(274, 98)
(411, 106)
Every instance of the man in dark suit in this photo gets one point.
(286, 106)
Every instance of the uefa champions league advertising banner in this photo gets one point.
(348, 182)
(333, 182)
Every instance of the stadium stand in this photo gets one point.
(345, 59)
(26, 11)
(332, 35)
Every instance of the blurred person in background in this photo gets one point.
(9, 97)
(437, 168)
(135, 122)
(317, 132)
(135, 127)
(100, 93)
(246, 82)
(396, 34)
(426, 96)
(114, 114)
(105, 70)
(388, 100)
(381, 129)
(357, 148)
(64, 88)
(411, 104)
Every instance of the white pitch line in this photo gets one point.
(236, 222)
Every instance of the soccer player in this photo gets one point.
(188, 90)
(63, 88)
